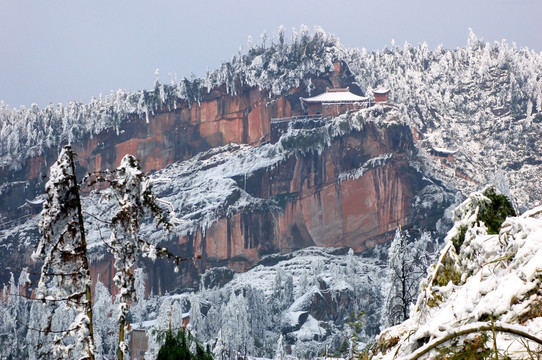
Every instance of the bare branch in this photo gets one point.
(46, 331)
(97, 218)
(469, 330)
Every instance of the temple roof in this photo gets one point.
(381, 91)
(443, 150)
(34, 202)
(335, 96)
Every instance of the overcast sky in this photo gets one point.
(56, 50)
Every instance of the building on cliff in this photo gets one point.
(443, 154)
(34, 207)
(381, 95)
(334, 102)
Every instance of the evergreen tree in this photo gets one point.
(178, 347)
(105, 322)
(236, 323)
(138, 309)
(219, 348)
(13, 306)
(280, 353)
(132, 190)
(39, 343)
(283, 293)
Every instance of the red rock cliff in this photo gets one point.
(170, 135)
(320, 205)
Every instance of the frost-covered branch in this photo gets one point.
(65, 274)
(132, 192)
(47, 330)
(473, 328)
(97, 218)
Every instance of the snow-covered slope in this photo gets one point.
(484, 284)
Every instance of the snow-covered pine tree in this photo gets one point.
(407, 261)
(13, 307)
(38, 342)
(65, 277)
(138, 309)
(280, 353)
(283, 293)
(220, 349)
(236, 323)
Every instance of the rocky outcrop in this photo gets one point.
(328, 198)
(319, 207)
(354, 193)
(170, 135)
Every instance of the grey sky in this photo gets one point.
(57, 51)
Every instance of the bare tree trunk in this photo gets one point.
(120, 353)
(88, 293)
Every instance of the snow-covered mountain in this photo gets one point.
(474, 112)
(482, 101)
(460, 119)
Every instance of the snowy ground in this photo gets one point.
(494, 281)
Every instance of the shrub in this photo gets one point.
(495, 212)
(177, 347)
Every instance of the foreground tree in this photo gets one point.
(179, 347)
(132, 190)
(65, 277)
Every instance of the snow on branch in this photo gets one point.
(65, 275)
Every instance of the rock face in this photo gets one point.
(173, 134)
(169, 136)
(321, 204)
(325, 200)
(320, 208)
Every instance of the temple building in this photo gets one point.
(381, 95)
(331, 103)
(34, 207)
(334, 102)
